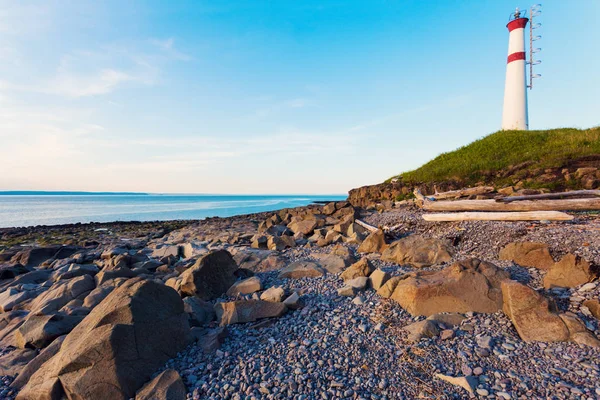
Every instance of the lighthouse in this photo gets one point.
(514, 114)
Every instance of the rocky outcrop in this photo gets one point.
(418, 251)
(528, 254)
(467, 285)
(210, 277)
(536, 319)
(117, 347)
(241, 311)
(571, 271)
(581, 173)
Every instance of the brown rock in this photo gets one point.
(418, 252)
(279, 243)
(594, 307)
(210, 276)
(362, 267)
(166, 386)
(534, 318)
(378, 278)
(241, 311)
(301, 269)
(33, 365)
(528, 254)
(246, 286)
(571, 271)
(61, 293)
(421, 329)
(40, 330)
(467, 285)
(274, 294)
(374, 243)
(200, 312)
(332, 263)
(116, 348)
(388, 288)
(305, 226)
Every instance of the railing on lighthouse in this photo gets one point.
(534, 11)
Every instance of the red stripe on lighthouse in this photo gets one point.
(516, 24)
(515, 57)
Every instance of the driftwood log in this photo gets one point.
(549, 196)
(368, 227)
(454, 194)
(499, 216)
(525, 205)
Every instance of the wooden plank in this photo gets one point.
(499, 216)
(549, 196)
(525, 205)
(454, 194)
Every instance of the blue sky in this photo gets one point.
(267, 96)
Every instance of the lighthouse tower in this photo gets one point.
(514, 114)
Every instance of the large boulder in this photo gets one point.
(235, 312)
(117, 347)
(374, 243)
(418, 252)
(467, 285)
(536, 319)
(302, 269)
(527, 254)
(61, 293)
(210, 276)
(166, 386)
(571, 271)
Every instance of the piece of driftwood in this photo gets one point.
(550, 196)
(455, 194)
(368, 227)
(525, 205)
(499, 216)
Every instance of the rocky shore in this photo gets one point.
(302, 303)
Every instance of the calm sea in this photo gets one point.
(27, 210)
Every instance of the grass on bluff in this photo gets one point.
(471, 163)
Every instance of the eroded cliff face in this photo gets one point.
(581, 173)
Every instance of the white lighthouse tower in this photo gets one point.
(514, 114)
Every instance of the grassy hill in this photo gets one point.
(527, 159)
(500, 150)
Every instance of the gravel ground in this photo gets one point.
(337, 347)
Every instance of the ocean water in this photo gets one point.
(28, 210)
